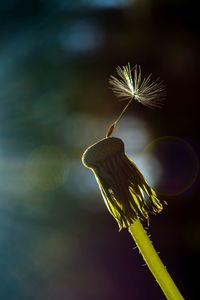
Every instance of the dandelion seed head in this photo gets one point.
(125, 191)
(145, 91)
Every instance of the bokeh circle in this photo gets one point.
(179, 164)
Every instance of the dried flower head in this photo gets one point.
(148, 93)
(126, 193)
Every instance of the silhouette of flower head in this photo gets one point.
(124, 189)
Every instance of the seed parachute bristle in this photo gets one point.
(148, 93)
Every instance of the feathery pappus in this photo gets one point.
(148, 93)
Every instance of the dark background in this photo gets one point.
(57, 240)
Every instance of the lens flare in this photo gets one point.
(179, 164)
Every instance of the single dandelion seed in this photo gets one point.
(145, 91)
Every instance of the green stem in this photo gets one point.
(154, 262)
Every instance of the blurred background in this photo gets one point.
(57, 239)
